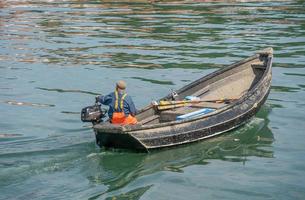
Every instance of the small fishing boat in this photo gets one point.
(224, 100)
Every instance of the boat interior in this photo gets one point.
(215, 92)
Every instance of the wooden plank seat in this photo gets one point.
(258, 65)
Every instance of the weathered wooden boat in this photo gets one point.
(245, 83)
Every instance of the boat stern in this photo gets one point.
(115, 136)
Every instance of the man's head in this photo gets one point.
(121, 85)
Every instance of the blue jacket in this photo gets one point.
(109, 100)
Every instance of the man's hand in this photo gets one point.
(97, 99)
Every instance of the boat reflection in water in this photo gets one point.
(118, 169)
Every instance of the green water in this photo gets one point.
(55, 56)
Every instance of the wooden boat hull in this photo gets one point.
(175, 133)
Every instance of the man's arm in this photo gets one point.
(105, 100)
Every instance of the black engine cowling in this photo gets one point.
(93, 113)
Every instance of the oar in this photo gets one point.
(163, 102)
(165, 105)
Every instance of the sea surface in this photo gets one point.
(56, 56)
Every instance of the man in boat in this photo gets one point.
(121, 107)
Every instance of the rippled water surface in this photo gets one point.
(55, 56)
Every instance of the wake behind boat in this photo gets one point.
(224, 100)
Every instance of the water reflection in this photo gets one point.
(160, 82)
(116, 170)
(143, 34)
(133, 194)
(284, 89)
(7, 135)
(67, 90)
(294, 74)
(18, 103)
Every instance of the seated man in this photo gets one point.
(121, 107)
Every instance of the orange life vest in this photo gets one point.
(119, 117)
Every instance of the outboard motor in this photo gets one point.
(93, 114)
